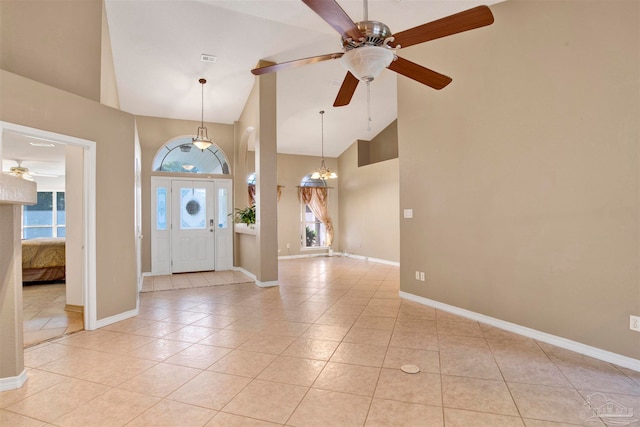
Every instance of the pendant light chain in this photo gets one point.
(322, 133)
(369, 107)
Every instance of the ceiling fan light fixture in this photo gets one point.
(367, 62)
(202, 140)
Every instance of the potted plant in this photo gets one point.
(245, 219)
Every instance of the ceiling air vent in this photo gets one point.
(208, 58)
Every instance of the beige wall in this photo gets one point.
(57, 43)
(108, 85)
(153, 133)
(523, 173)
(369, 199)
(291, 170)
(32, 104)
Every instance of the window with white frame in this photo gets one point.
(47, 218)
(316, 226)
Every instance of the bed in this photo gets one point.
(43, 259)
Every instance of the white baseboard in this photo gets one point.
(369, 259)
(245, 272)
(12, 383)
(587, 350)
(340, 254)
(100, 323)
(269, 284)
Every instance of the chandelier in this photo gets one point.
(324, 172)
(202, 140)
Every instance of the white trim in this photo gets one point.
(587, 350)
(323, 254)
(245, 272)
(117, 318)
(89, 194)
(12, 383)
(369, 259)
(252, 276)
(268, 284)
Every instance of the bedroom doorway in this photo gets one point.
(51, 306)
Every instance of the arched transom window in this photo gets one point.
(180, 155)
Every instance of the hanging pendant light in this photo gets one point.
(202, 140)
(324, 172)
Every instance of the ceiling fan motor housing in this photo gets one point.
(375, 34)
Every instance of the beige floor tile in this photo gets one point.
(114, 408)
(415, 340)
(384, 413)
(215, 321)
(321, 408)
(244, 363)
(116, 370)
(311, 348)
(346, 378)
(469, 363)
(266, 400)
(45, 353)
(191, 333)
(375, 322)
(550, 403)
(77, 362)
(210, 390)
(160, 380)
(326, 332)
(167, 413)
(123, 344)
(423, 388)
(427, 361)
(360, 354)
(227, 338)
(159, 349)
(37, 381)
(158, 329)
(272, 344)
(58, 399)
(540, 423)
(368, 336)
(461, 418)
(222, 419)
(477, 395)
(461, 327)
(16, 420)
(198, 356)
(292, 370)
(87, 339)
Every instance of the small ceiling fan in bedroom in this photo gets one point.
(369, 46)
(24, 172)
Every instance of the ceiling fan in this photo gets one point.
(24, 172)
(369, 46)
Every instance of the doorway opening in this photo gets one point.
(72, 217)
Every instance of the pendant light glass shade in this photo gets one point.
(323, 172)
(202, 140)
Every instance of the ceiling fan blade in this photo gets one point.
(333, 15)
(347, 90)
(464, 21)
(295, 63)
(419, 73)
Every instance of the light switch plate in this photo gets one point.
(408, 213)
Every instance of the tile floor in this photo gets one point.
(323, 349)
(44, 316)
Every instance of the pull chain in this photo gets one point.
(368, 107)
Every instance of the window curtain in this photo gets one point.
(252, 193)
(316, 199)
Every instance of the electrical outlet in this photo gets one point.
(417, 275)
(634, 323)
(288, 245)
(422, 276)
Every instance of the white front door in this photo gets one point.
(193, 226)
